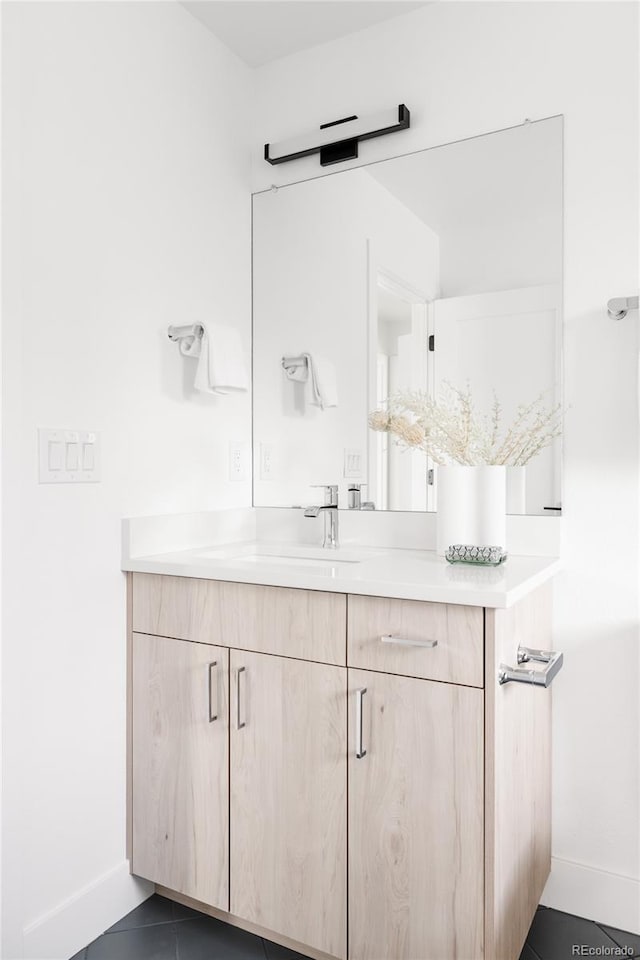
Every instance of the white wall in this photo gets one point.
(495, 202)
(126, 208)
(463, 69)
(505, 256)
(310, 295)
(510, 235)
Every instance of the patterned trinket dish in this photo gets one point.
(468, 553)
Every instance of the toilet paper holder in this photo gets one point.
(541, 678)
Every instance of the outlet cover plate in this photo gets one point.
(238, 461)
(267, 461)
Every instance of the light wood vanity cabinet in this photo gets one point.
(308, 624)
(289, 798)
(407, 822)
(416, 821)
(436, 641)
(268, 843)
(180, 732)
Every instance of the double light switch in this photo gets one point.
(69, 456)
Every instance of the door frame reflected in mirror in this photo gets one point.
(380, 449)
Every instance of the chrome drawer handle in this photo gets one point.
(360, 751)
(401, 642)
(240, 722)
(212, 716)
(540, 678)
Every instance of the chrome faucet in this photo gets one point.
(330, 511)
(355, 501)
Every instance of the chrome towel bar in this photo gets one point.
(540, 678)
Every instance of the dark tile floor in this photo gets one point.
(161, 930)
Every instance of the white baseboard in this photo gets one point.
(57, 935)
(594, 894)
(71, 925)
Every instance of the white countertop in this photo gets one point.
(372, 571)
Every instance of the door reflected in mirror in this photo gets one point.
(400, 336)
(410, 276)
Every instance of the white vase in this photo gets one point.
(516, 490)
(471, 507)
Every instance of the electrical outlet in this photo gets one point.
(238, 460)
(267, 451)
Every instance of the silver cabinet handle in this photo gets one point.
(360, 751)
(240, 722)
(540, 678)
(401, 642)
(211, 667)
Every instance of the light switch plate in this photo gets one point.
(352, 464)
(69, 456)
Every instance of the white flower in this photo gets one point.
(379, 420)
(449, 430)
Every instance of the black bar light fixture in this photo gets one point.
(338, 140)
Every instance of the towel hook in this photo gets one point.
(294, 362)
(180, 333)
(620, 306)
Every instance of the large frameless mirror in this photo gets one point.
(429, 279)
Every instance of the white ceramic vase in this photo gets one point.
(471, 507)
(516, 490)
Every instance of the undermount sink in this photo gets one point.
(270, 559)
(288, 553)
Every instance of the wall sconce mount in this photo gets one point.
(338, 140)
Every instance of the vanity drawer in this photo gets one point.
(433, 641)
(307, 624)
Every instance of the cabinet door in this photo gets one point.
(415, 819)
(181, 766)
(288, 798)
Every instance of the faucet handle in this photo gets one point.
(330, 493)
(354, 494)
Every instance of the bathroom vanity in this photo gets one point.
(348, 750)
(334, 760)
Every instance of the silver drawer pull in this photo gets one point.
(240, 722)
(400, 642)
(540, 678)
(211, 667)
(360, 751)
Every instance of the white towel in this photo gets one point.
(324, 383)
(221, 363)
(321, 376)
